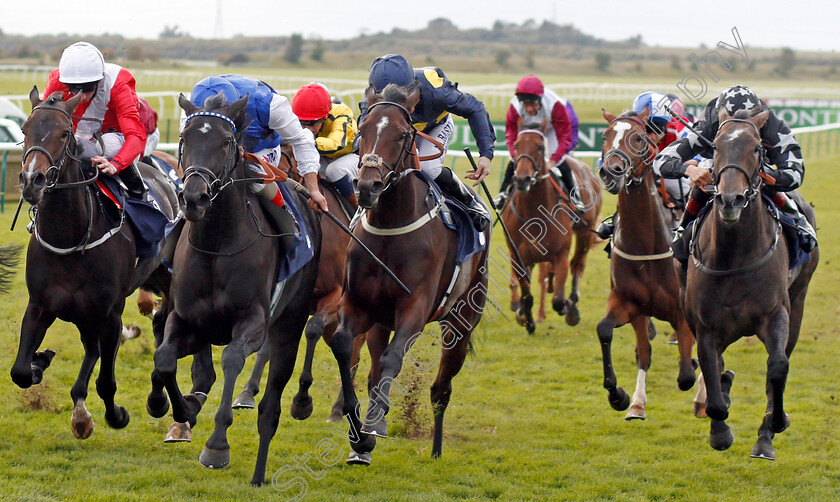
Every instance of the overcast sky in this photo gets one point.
(803, 24)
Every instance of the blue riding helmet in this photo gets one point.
(655, 102)
(210, 87)
(390, 69)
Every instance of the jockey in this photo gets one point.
(270, 119)
(663, 129)
(109, 107)
(541, 108)
(439, 98)
(782, 150)
(335, 129)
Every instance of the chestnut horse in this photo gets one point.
(739, 283)
(81, 262)
(324, 308)
(401, 227)
(541, 221)
(642, 278)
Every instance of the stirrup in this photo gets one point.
(606, 229)
(499, 201)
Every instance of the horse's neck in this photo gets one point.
(64, 214)
(401, 204)
(639, 214)
(741, 243)
(226, 221)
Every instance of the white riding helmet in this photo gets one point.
(81, 63)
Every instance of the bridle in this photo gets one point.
(216, 184)
(754, 180)
(375, 161)
(637, 169)
(538, 166)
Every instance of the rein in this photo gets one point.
(538, 166)
(646, 164)
(753, 180)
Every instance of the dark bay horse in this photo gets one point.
(399, 226)
(642, 278)
(81, 262)
(225, 268)
(738, 281)
(324, 309)
(542, 222)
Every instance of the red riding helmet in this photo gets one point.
(530, 87)
(311, 102)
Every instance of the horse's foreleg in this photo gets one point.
(106, 384)
(203, 377)
(699, 404)
(28, 368)
(643, 359)
(81, 423)
(302, 402)
(524, 315)
(542, 275)
(283, 342)
(245, 399)
(583, 241)
(707, 353)
(515, 295)
(338, 406)
(617, 315)
(685, 341)
(179, 341)
(561, 271)
(775, 341)
(248, 337)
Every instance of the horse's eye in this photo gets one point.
(65, 134)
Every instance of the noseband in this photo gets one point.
(538, 166)
(643, 162)
(216, 184)
(753, 180)
(375, 161)
(66, 152)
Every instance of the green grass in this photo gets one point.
(528, 420)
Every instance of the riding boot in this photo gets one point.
(697, 199)
(133, 182)
(787, 206)
(562, 173)
(280, 217)
(607, 227)
(499, 200)
(453, 187)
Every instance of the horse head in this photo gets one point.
(48, 145)
(387, 140)
(529, 160)
(628, 150)
(210, 150)
(738, 159)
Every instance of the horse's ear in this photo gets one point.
(186, 104)
(413, 98)
(722, 113)
(34, 96)
(72, 103)
(644, 115)
(609, 117)
(370, 95)
(235, 110)
(760, 119)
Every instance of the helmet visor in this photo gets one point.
(85, 87)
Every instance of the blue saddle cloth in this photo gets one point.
(456, 217)
(170, 172)
(147, 220)
(303, 248)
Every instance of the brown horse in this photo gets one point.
(642, 278)
(541, 222)
(324, 308)
(400, 226)
(739, 283)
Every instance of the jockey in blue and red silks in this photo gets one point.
(782, 151)
(439, 99)
(541, 108)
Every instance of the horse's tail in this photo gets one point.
(9, 260)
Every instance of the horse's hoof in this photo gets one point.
(715, 413)
(301, 407)
(773, 424)
(699, 410)
(572, 313)
(244, 401)
(378, 429)
(636, 412)
(179, 432)
(619, 400)
(530, 327)
(559, 305)
(129, 332)
(157, 405)
(686, 381)
(720, 436)
(214, 459)
(764, 450)
(366, 444)
(514, 306)
(41, 360)
(81, 424)
(119, 420)
(336, 416)
(672, 339)
(359, 458)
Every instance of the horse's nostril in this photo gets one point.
(740, 201)
(203, 200)
(39, 180)
(377, 187)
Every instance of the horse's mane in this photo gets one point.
(54, 98)
(629, 113)
(215, 102)
(742, 114)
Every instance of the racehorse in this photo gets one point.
(81, 260)
(541, 221)
(224, 247)
(400, 227)
(324, 309)
(738, 281)
(642, 278)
